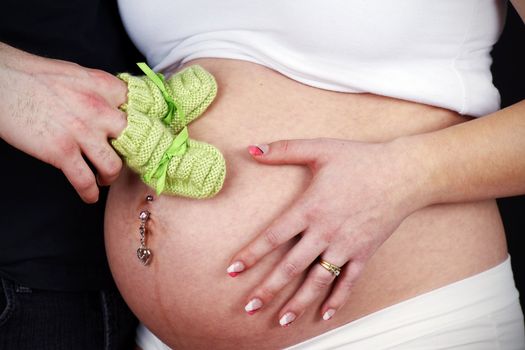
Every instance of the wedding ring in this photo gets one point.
(333, 269)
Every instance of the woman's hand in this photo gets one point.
(359, 194)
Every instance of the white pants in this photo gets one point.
(481, 312)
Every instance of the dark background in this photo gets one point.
(509, 77)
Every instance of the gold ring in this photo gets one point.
(333, 269)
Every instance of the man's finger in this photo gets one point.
(114, 122)
(105, 160)
(111, 88)
(81, 177)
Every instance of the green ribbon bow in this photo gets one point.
(178, 147)
(159, 80)
(180, 143)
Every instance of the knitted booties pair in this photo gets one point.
(156, 144)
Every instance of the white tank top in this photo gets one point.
(435, 52)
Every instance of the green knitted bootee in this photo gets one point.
(171, 164)
(190, 92)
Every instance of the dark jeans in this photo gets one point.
(40, 320)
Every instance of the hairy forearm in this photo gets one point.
(15, 59)
(480, 159)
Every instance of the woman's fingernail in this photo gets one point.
(254, 305)
(287, 319)
(328, 314)
(235, 268)
(258, 150)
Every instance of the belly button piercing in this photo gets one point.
(143, 252)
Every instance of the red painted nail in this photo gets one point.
(255, 151)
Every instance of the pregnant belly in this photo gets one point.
(185, 296)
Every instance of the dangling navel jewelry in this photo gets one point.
(143, 252)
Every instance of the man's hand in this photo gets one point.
(58, 112)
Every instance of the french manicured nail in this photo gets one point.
(258, 150)
(328, 314)
(235, 268)
(254, 305)
(287, 319)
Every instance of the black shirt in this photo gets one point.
(49, 238)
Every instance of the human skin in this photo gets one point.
(58, 112)
(185, 296)
(473, 161)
